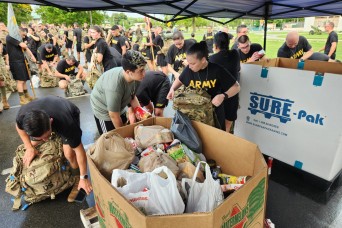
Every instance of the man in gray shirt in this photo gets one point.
(115, 90)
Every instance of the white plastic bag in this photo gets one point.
(202, 197)
(149, 192)
(35, 81)
(164, 195)
(135, 182)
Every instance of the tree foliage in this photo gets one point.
(22, 12)
(54, 15)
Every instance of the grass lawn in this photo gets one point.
(276, 38)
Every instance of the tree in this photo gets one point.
(22, 12)
(54, 15)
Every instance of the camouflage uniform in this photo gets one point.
(5, 75)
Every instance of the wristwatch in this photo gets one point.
(225, 96)
(84, 177)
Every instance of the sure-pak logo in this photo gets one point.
(280, 108)
(240, 217)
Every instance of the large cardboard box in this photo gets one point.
(244, 208)
(293, 114)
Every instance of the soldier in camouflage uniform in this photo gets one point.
(4, 69)
(3, 33)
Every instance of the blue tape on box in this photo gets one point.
(264, 72)
(298, 164)
(318, 80)
(300, 65)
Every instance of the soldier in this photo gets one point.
(138, 35)
(209, 38)
(4, 69)
(152, 92)
(66, 68)
(176, 55)
(88, 48)
(240, 31)
(3, 33)
(18, 67)
(77, 40)
(249, 52)
(37, 120)
(116, 40)
(332, 40)
(47, 57)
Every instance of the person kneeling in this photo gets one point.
(66, 68)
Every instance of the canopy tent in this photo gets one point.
(208, 9)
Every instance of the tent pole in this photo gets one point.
(265, 25)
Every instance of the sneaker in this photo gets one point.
(74, 190)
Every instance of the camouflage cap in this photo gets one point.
(135, 58)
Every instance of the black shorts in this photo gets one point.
(149, 54)
(68, 43)
(161, 60)
(19, 71)
(230, 108)
(105, 126)
(88, 56)
(79, 47)
(160, 100)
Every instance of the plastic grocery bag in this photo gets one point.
(35, 81)
(183, 130)
(155, 160)
(164, 195)
(149, 192)
(202, 197)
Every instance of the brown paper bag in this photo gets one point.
(146, 136)
(155, 160)
(111, 151)
(187, 170)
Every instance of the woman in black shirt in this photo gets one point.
(202, 74)
(102, 49)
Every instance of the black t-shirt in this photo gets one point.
(13, 49)
(177, 56)
(331, 38)
(118, 42)
(108, 60)
(214, 79)
(87, 40)
(64, 68)
(47, 56)
(78, 34)
(151, 85)
(297, 52)
(158, 42)
(230, 60)
(65, 115)
(32, 44)
(245, 57)
(209, 39)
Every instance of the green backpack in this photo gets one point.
(47, 175)
(47, 81)
(75, 87)
(196, 104)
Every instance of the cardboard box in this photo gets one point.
(235, 155)
(294, 115)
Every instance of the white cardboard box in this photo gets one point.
(294, 115)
